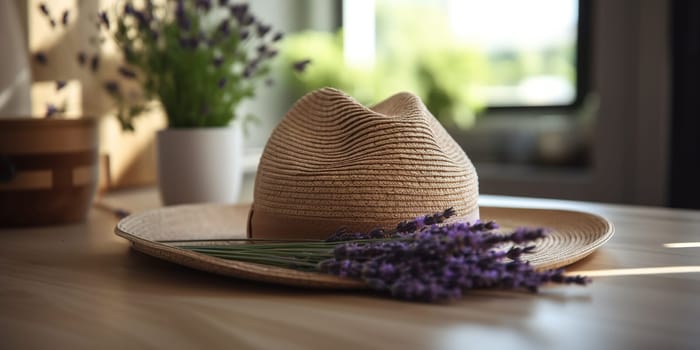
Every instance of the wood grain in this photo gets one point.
(80, 286)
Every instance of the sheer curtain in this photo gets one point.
(15, 73)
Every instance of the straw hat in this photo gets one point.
(332, 163)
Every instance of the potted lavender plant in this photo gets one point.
(199, 60)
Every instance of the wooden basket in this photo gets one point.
(48, 170)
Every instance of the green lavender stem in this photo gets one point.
(298, 255)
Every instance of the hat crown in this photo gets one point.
(332, 162)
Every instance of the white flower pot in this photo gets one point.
(200, 164)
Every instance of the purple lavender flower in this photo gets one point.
(218, 61)
(82, 58)
(483, 226)
(51, 111)
(128, 9)
(343, 234)
(401, 229)
(41, 58)
(104, 19)
(263, 29)
(142, 18)
(427, 220)
(112, 87)
(204, 4)
(248, 71)
(127, 73)
(225, 27)
(387, 271)
(60, 84)
(221, 83)
(377, 233)
(514, 253)
(64, 18)
(239, 12)
(525, 235)
(121, 213)
(440, 262)
(44, 9)
(95, 63)
(248, 20)
(300, 66)
(342, 268)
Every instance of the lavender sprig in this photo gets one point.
(64, 18)
(403, 227)
(60, 84)
(44, 10)
(112, 87)
(95, 63)
(431, 264)
(427, 220)
(51, 111)
(82, 58)
(263, 29)
(41, 58)
(104, 19)
(300, 66)
(444, 261)
(239, 11)
(126, 72)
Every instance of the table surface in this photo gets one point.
(80, 286)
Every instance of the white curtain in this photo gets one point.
(15, 73)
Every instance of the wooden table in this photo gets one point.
(80, 286)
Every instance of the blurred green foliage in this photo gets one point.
(417, 52)
(437, 76)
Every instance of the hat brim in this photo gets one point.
(572, 236)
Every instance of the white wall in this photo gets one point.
(630, 73)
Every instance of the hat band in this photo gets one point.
(264, 224)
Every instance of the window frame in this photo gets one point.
(583, 69)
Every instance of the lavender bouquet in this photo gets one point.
(417, 261)
(198, 58)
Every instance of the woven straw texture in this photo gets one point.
(572, 236)
(332, 162)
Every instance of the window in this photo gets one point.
(521, 53)
(460, 56)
